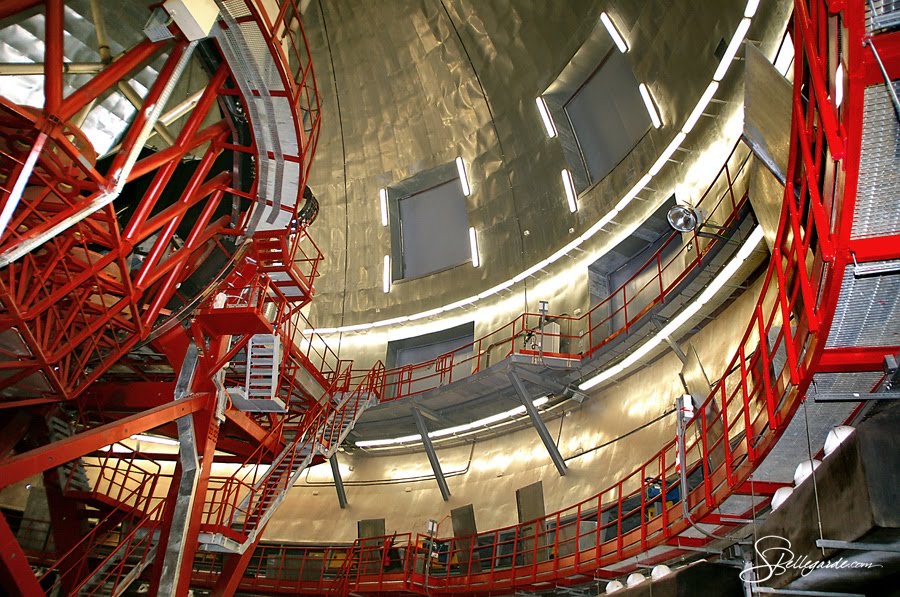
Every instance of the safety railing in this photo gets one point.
(240, 502)
(122, 475)
(129, 488)
(285, 33)
(307, 348)
(739, 422)
(132, 550)
(654, 281)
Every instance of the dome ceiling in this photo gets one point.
(409, 86)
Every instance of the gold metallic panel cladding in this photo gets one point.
(409, 76)
(400, 488)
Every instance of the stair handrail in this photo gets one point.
(726, 196)
(106, 527)
(322, 424)
(149, 523)
(746, 411)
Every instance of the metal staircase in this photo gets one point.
(125, 563)
(72, 474)
(242, 505)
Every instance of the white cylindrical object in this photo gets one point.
(660, 571)
(781, 494)
(805, 469)
(613, 586)
(634, 579)
(836, 437)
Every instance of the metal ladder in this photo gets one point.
(261, 376)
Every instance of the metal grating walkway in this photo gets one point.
(877, 209)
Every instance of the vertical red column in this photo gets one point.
(53, 56)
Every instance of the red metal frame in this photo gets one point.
(737, 426)
(80, 311)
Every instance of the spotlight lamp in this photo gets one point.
(683, 218)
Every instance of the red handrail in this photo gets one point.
(669, 265)
(739, 422)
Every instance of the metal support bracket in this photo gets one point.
(187, 483)
(857, 546)
(769, 591)
(565, 391)
(432, 455)
(538, 423)
(338, 481)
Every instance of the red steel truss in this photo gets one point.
(79, 307)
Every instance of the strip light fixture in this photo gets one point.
(570, 190)
(545, 116)
(473, 247)
(493, 419)
(700, 107)
(386, 275)
(733, 48)
(785, 55)
(750, 9)
(679, 320)
(155, 439)
(614, 32)
(650, 105)
(384, 207)
(463, 179)
(707, 96)
(839, 85)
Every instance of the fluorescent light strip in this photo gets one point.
(679, 320)
(597, 226)
(570, 190)
(493, 419)
(463, 179)
(386, 277)
(473, 247)
(675, 144)
(545, 116)
(839, 85)
(750, 11)
(732, 49)
(651, 107)
(19, 188)
(165, 441)
(700, 107)
(785, 55)
(384, 207)
(614, 32)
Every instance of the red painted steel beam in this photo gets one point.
(271, 441)
(109, 76)
(53, 56)
(888, 47)
(35, 461)
(195, 120)
(880, 248)
(766, 488)
(138, 395)
(233, 570)
(856, 358)
(11, 7)
(16, 576)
